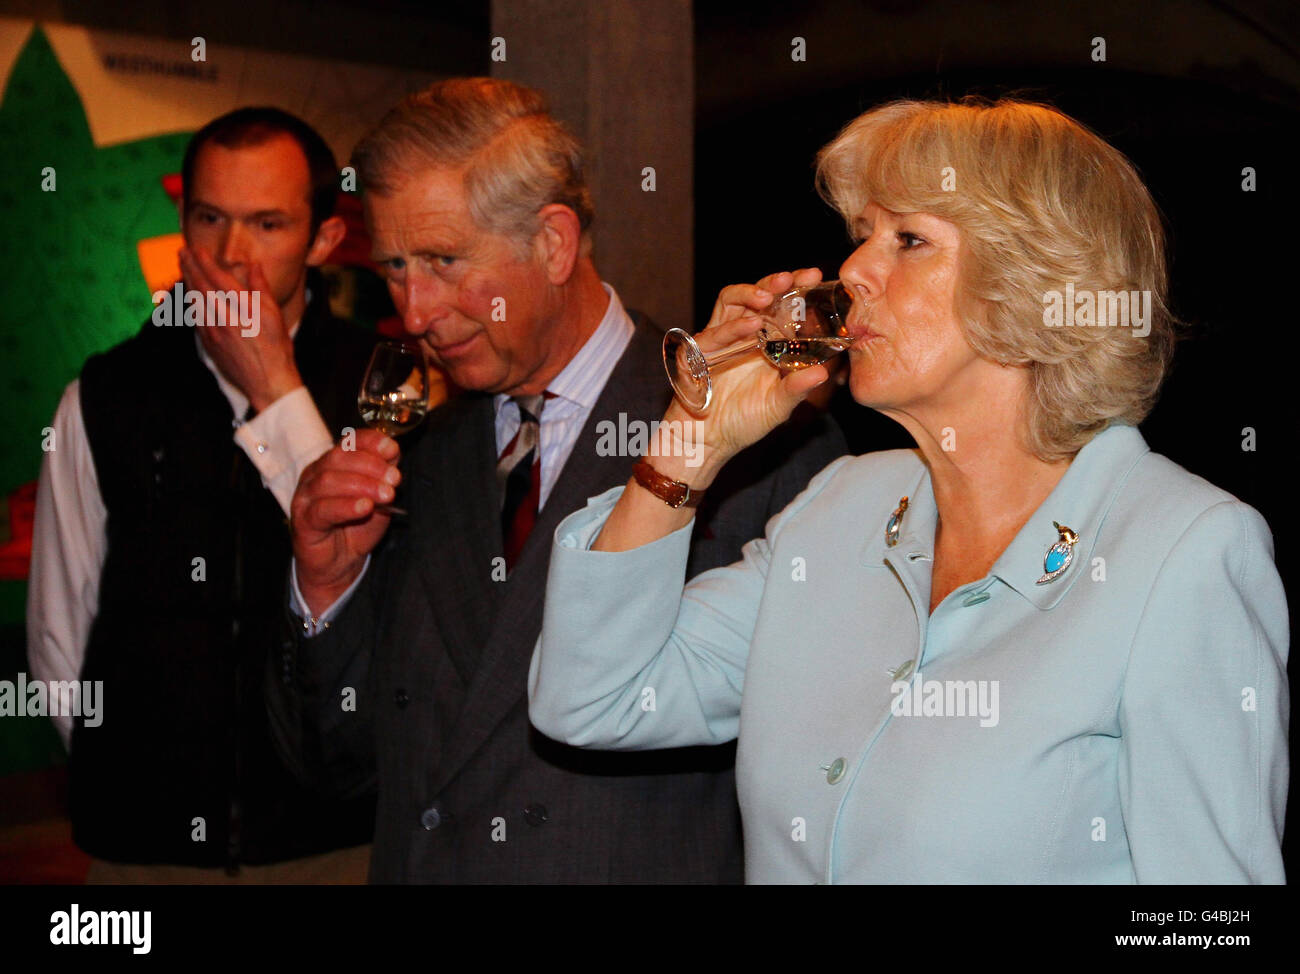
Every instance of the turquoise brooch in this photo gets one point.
(895, 522)
(1059, 555)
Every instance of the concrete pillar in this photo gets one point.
(621, 74)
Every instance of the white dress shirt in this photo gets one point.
(69, 540)
(576, 389)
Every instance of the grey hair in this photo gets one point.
(516, 157)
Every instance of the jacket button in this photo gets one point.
(431, 817)
(536, 814)
(835, 772)
(401, 698)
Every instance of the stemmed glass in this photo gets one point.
(394, 396)
(803, 327)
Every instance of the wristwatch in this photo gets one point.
(674, 493)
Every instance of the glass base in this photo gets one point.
(688, 372)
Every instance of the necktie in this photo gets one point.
(519, 478)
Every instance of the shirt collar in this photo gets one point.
(1080, 501)
(607, 342)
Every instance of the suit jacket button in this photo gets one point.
(401, 698)
(431, 817)
(536, 814)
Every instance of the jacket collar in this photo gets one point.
(1079, 501)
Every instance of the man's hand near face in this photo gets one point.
(258, 361)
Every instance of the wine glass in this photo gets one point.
(394, 396)
(803, 327)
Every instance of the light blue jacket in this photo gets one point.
(1125, 722)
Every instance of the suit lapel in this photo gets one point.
(454, 506)
(636, 387)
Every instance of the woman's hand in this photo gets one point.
(750, 396)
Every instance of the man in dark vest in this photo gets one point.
(480, 217)
(161, 540)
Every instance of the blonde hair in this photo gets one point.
(1041, 202)
(517, 158)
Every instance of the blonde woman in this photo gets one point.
(1029, 650)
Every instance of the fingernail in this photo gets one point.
(360, 506)
(385, 493)
(393, 475)
(762, 293)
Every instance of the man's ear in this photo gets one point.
(559, 240)
(328, 236)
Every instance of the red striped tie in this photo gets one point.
(519, 475)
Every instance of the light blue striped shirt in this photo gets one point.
(576, 389)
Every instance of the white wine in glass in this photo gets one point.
(392, 416)
(394, 396)
(804, 327)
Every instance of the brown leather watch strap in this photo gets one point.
(674, 493)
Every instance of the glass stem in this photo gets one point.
(713, 359)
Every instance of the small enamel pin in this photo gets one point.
(895, 522)
(1059, 555)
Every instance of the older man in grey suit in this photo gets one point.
(413, 635)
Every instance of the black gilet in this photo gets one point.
(182, 769)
